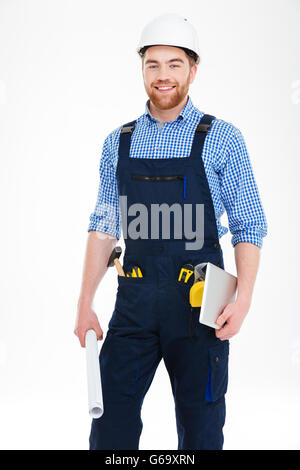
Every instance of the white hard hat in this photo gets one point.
(170, 29)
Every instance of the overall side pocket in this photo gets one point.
(217, 380)
(120, 365)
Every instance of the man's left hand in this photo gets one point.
(232, 318)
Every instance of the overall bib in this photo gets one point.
(152, 317)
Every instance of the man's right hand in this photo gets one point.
(98, 250)
(86, 320)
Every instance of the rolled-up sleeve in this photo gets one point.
(239, 192)
(106, 217)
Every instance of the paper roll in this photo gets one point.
(95, 399)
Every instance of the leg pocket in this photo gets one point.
(217, 379)
(119, 365)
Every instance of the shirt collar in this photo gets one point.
(181, 117)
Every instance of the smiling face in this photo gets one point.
(167, 66)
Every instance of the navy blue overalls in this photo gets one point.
(153, 319)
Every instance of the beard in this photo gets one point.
(168, 100)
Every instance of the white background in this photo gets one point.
(69, 75)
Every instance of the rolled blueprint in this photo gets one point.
(95, 399)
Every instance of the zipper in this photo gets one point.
(162, 178)
(157, 178)
(184, 187)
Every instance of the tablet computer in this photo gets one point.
(219, 290)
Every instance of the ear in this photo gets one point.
(193, 72)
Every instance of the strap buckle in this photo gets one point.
(127, 129)
(203, 127)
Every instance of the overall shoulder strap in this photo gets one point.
(201, 132)
(125, 138)
(205, 123)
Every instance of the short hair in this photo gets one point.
(191, 55)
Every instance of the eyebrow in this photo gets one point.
(152, 61)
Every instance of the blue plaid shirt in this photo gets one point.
(226, 162)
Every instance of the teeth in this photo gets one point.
(165, 87)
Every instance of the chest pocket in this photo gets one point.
(162, 187)
(163, 195)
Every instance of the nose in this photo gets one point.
(163, 74)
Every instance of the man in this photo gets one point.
(177, 156)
